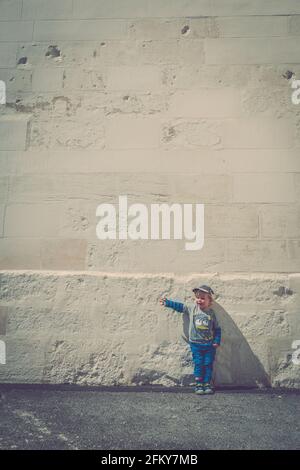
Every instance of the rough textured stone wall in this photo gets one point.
(96, 328)
(174, 101)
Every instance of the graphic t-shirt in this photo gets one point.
(203, 325)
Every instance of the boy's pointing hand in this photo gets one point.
(162, 301)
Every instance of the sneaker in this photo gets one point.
(199, 389)
(208, 389)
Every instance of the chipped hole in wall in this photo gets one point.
(282, 290)
(185, 30)
(170, 133)
(288, 74)
(22, 60)
(103, 44)
(53, 51)
(289, 357)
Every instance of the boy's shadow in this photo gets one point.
(235, 362)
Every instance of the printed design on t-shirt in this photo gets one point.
(203, 324)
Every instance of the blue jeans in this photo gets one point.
(203, 358)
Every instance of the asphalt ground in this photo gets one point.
(45, 417)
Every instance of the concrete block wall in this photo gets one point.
(186, 102)
(93, 328)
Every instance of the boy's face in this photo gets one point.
(202, 299)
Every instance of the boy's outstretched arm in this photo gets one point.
(178, 306)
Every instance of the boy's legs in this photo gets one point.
(209, 358)
(198, 358)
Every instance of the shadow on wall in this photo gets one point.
(235, 362)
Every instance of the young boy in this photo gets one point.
(204, 335)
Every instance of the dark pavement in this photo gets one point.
(33, 417)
